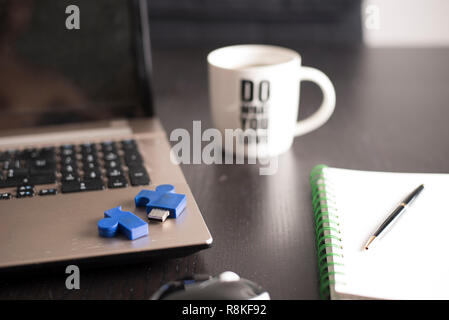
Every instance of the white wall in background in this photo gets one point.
(405, 22)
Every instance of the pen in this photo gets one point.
(395, 214)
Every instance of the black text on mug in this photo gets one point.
(255, 98)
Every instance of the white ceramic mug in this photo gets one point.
(256, 88)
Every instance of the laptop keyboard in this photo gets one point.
(71, 168)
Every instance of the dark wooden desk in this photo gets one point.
(392, 114)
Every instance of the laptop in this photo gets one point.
(78, 135)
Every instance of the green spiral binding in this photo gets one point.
(328, 236)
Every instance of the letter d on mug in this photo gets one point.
(256, 88)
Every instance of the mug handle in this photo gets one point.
(319, 117)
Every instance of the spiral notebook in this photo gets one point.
(410, 261)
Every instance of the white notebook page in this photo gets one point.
(411, 261)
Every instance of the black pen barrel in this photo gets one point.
(390, 219)
(395, 214)
(401, 208)
(412, 196)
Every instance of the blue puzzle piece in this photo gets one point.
(164, 197)
(123, 221)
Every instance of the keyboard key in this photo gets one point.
(40, 172)
(114, 172)
(70, 168)
(48, 153)
(44, 178)
(117, 182)
(68, 160)
(138, 176)
(14, 178)
(17, 173)
(47, 192)
(89, 157)
(10, 154)
(42, 165)
(91, 166)
(88, 148)
(115, 164)
(108, 147)
(27, 154)
(90, 185)
(70, 176)
(26, 187)
(13, 164)
(13, 182)
(129, 144)
(70, 186)
(133, 159)
(25, 191)
(7, 164)
(24, 194)
(5, 196)
(5, 156)
(110, 156)
(79, 186)
(67, 150)
(92, 174)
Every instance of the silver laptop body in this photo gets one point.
(45, 220)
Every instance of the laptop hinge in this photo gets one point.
(66, 136)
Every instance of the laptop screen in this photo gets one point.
(66, 61)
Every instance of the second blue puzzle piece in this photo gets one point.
(164, 197)
(117, 220)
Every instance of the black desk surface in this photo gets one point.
(392, 114)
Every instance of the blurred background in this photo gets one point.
(93, 64)
(193, 23)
